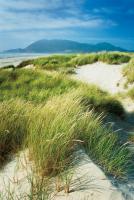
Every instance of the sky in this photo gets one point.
(89, 21)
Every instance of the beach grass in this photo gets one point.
(128, 71)
(52, 132)
(59, 129)
(30, 85)
(67, 63)
(13, 126)
(38, 86)
(130, 93)
(114, 58)
(53, 115)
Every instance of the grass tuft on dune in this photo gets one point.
(38, 86)
(67, 63)
(128, 72)
(13, 126)
(54, 130)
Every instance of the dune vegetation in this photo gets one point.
(128, 72)
(131, 93)
(52, 115)
(59, 129)
(38, 86)
(67, 63)
(13, 126)
(51, 132)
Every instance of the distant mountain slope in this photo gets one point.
(57, 46)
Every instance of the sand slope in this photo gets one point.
(89, 182)
(107, 77)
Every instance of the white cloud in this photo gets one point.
(39, 4)
(10, 21)
(30, 4)
(25, 18)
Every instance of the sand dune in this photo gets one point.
(107, 77)
(89, 181)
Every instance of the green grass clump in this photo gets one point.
(100, 100)
(56, 130)
(55, 62)
(51, 131)
(38, 86)
(114, 58)
(54, 133)
(67, 63)
(128, 71)
(30, 85)
(13, 126)
(131, 93)
(8, 67)
(85, 59)
(25, 63)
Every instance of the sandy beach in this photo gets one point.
(15, 59)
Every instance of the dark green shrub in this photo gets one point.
(114, 58)
(25, 63)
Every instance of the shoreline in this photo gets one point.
(15, 59)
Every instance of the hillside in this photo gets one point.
(57, 46)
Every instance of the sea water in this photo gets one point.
(17, 58)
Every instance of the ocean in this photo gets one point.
(16, 58)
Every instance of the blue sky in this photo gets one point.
(91, 21)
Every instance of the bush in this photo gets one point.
(8, 67)
(25, 63)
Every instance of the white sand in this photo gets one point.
(89, 183)
(15, 178)
(108, 78)
(103, 75)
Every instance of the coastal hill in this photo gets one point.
(64, 46)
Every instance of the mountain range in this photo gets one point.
(64, 46)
